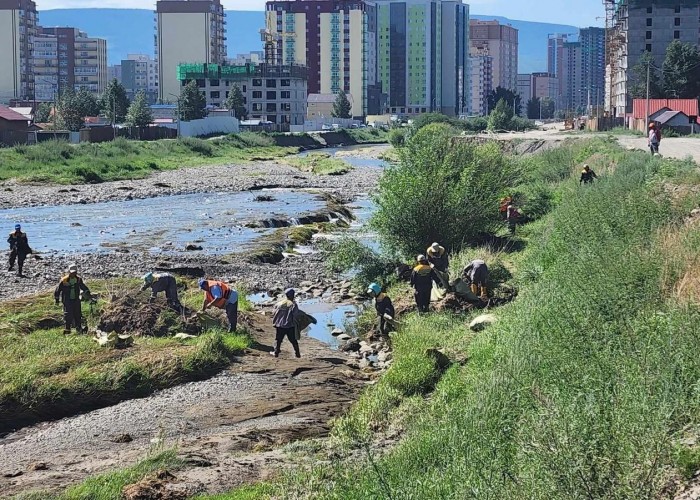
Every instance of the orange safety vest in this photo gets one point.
(220, 303)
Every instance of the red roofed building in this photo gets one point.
(13, 127)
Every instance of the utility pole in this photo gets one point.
(114, 116)
(648, 85)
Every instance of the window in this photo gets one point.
(271, 95)
(214, 83)
(271, 107)
(648, 35)
(285, 83)
(257, 82)
(677, 10)
(215, 94)
(257, 94)
(649, 10)
(244, 88)
(648, 21)
(257, 106)
(286, 106)
(648, 48)
(285, 94)
(677, 21)
(676, 35)
(271, 84)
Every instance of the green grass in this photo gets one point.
(41, 369)
(368, 135)
(320, 164)
(586, 385)
(60, 162)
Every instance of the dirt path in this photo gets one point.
(672, 147)
(230, 426)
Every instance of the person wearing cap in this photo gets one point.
(437, 257)
(384, 307)
(477, 275)
(587, 175)
(19, 249)
(68, 292)
(219, 294)
(283, 319)
(422, 279)
(162, 282)
(654, 139)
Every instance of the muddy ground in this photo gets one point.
(229, 427)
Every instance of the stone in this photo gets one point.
(384, 356)
(365, 363)
(192, 247)
(38, 466)
(481, 322)
(122, 438)
(344, 337)
(353, 345)
(367, 350)
(336, 332)
(695, 212)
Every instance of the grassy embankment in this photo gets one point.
(586, 387)
(44, 373)
(60, 162)
(320, 164)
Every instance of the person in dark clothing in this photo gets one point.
(384, 308)
(512, 218)
(68, 292)
(162, 282)
(219, 294)
(422, 279)
(477, 275)
(19, 249)
(437, 256)
(587, 175)
(283, 320)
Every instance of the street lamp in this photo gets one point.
(177, 98)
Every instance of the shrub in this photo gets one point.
(500, 117)
(198, 146)
(440, 191)
(476, 124)
(397, 137)
(350, 255)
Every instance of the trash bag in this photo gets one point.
(463, 290)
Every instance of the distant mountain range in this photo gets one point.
(130, 31)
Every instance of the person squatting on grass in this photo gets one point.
(284, 321)
(587, 175)
(219, 294)
(162, 282)
(68, 291)
(422, 279)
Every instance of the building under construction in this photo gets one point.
(637, 26)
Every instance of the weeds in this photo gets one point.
(321, 164)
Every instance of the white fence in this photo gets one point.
(207, 126)
(318, 124)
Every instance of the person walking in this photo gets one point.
(654, 139)
(512, 218)
(422, 279)
(19, 249)
(219, 294)
(477, 275)
(162, 282)
(283, 319)
(68, 292)
(587, 175)
(383, 306)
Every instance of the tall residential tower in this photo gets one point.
(17, 29)
(501, 43)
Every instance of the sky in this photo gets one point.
(573, 12)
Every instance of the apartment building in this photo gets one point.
(556, 43)
(68, 58)
(582, 74)
(273, 93)
(18, 21)
(423, 55)
(544, 86)
(139, 72)
(645, 26)
(335, 40)
(188, 31)
(524, 90)
(481, 71)
(501, 43)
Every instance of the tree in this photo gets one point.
(43, 112)
(88, 102)
(533, 108)
(681, 70)
(499, 118)
(139, 114)
(341, 107)
(114, 102)
(236, 102)
(548, 106)
(508, 96)
(69, 112)
(638, 86)
(193, 102)
(442, 189)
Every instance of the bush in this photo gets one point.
(397, 137)
(477, 124)
(520, 124)
(501, 116)
(199, 146)
(440, 191)
(350, 255)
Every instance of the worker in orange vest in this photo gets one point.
(219, 294)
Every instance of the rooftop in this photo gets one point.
(13, 116)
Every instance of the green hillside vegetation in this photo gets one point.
(587, 385)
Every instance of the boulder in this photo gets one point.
(336, 332)
(344, 337)
(481, 322)
(193, 247)
(352, 345)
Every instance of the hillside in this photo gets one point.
(132, 30)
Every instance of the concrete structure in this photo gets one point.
(256, 57)
(555, 65)
(188, 31)
(17, 29)
(501, 43)
(646, 26)
(481, 78)
(583, 72)
(140, 73)
(423, 55)
(336, 40)
(321, 105)
(273, 93)
(544, 86)
(115, 72)
(525, 91)
(69, 58)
